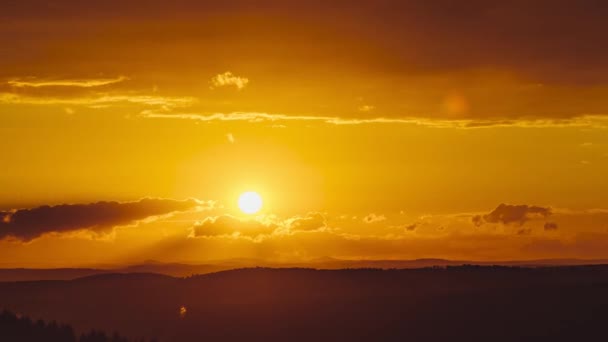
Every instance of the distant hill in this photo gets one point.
(184, 270)
(24, 274)
(465, 303)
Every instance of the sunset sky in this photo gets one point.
(470, 130)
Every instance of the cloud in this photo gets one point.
(411, 227)
(268, 117)
(372, 218)
(230, 138)
(315, 235)
(512, 214)
(593, 121)
(228, 79)
(81, 83)
(28, 224)
(97, 100)
(550, 226)
(228, 225)
(479, 33)
(366, 108)
(309, 222)
(477, 220)
(257, 228)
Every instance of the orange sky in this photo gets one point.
(371, 129)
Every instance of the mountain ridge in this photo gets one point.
(176, 269)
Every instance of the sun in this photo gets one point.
(250, 202)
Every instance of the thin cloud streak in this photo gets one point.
(82, 83)
(97, 101)
(592, 121)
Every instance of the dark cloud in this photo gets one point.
(550, 226)
(28, 224)
(512, 214)
(552, 39)
(411, 227)
(524, 231)
(477, 220)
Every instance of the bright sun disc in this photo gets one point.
(250, 202)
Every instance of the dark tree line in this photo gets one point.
(16, 328)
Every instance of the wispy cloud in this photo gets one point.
(366, 108)
(594, 121)
(99, 100)
(81, 83)
(264, 117)
(229, 79)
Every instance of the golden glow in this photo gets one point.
(250, 202)
(397, 139)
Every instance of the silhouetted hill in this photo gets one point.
(184, 270)
(470, 303)
(25, 274)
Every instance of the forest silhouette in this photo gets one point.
(17, 328)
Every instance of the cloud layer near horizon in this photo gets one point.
(195, 235)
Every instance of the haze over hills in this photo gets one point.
(185, 269)
(473, 303)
